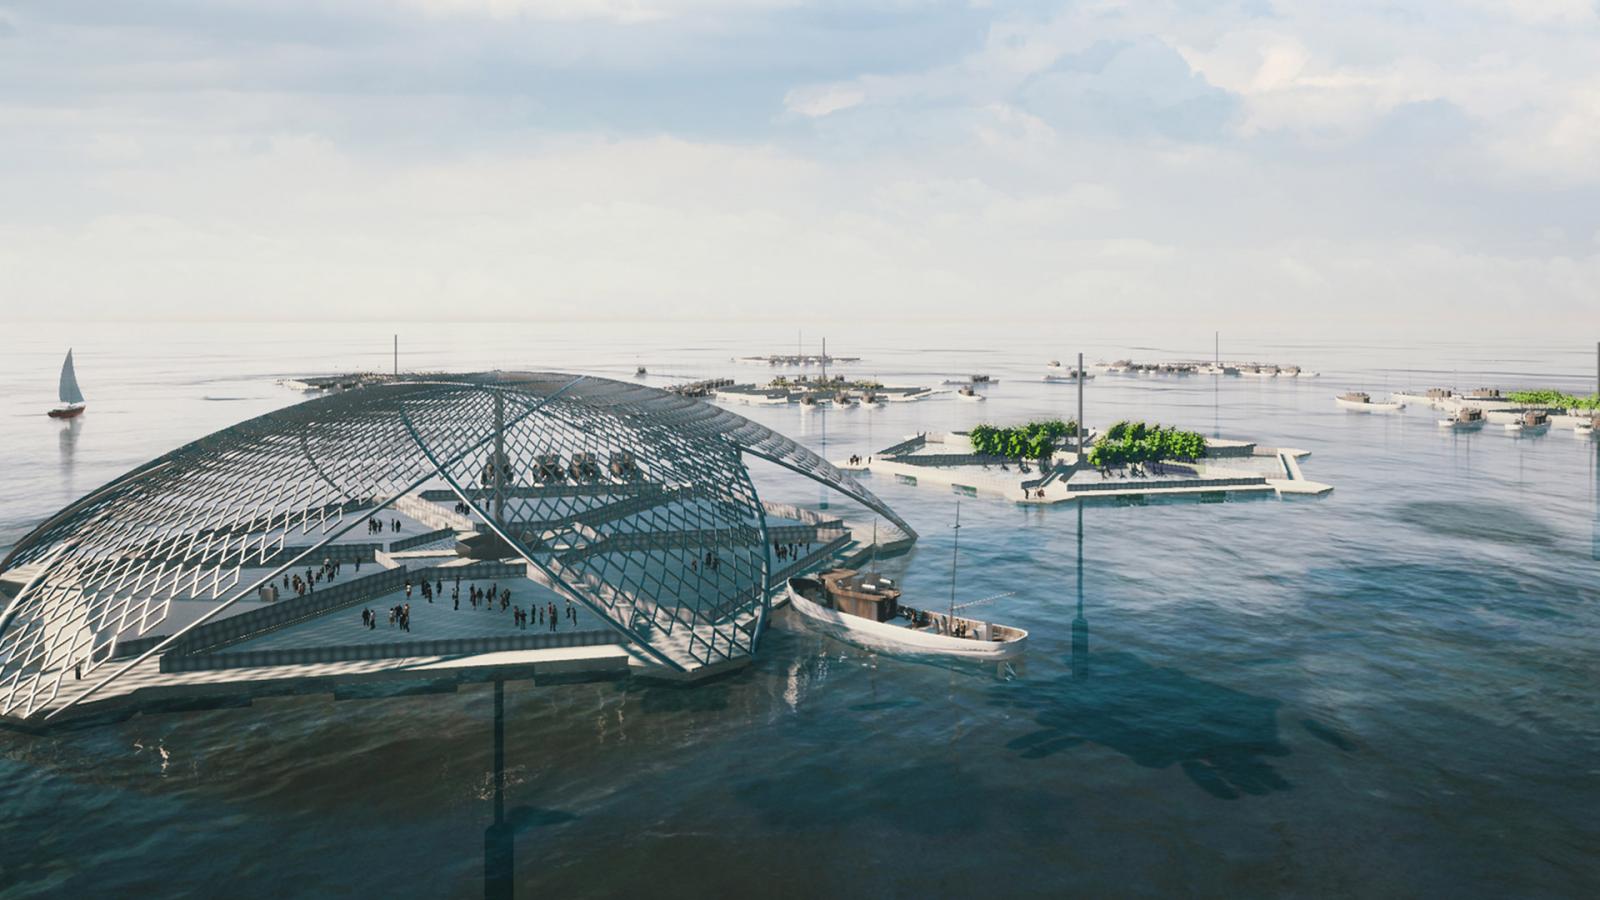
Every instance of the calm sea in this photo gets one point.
(1389, 691)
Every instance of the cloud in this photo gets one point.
(823, 100)
(1300, 164)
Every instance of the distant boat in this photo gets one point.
(1466, 418)
(967, 393)
(71, 397)
(1358, 400)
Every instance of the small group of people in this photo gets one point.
(855, 460)
(546, 614)
(400, 614)
(462, 508)
(790, 550)
(711, 561)
(376, 527)
(307, 583)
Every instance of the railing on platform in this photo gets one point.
(467, 646)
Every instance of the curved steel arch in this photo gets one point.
(614, 493)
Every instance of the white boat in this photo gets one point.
(864, 609)
(1534, 420)
(1362, 402)
(967, 393)
(1466, 418)
(1584, 428)
(71, 396)
(1055, 371)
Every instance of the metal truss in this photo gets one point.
(632, 501)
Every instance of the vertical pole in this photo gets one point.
(1080, 408)
(500, 457)
(397, 356)
(1216, 349)
(1597, 367)
(955, 548)
(499, 839)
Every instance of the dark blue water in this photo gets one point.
(1390, 691)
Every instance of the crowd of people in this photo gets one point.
(376, 527)
(307, 582)
(790, 550)
(492, 598)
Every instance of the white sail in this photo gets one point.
(69, 382)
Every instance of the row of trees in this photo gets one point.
(1035, 440)
(1135, 442)
(1554, 399)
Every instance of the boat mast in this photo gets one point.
(955, 546)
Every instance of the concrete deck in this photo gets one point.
(1088, 485)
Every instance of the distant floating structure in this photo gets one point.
(796, 360)
(1218, 367)
(313, 384)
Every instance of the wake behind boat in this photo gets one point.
(71, 396)
(865, 609)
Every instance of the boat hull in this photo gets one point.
(896, 639)
(1368, 407)
(66, 412)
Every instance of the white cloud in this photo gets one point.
(822, 100)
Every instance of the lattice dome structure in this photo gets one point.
(635, 502)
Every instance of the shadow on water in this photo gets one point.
(1155, 716)
(1493, 522)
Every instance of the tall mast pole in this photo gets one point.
(1216, 348)
(955, 547)
(397, 356)
(1080, 408)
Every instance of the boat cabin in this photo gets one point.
(868, 595)
(1535, 418)
(1484, 394)
(1356, 397)
(1468, 415)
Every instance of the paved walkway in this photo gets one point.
(437, 620)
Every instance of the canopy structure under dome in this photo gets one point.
(634, 502)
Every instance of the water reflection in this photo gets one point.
(499, 839)
(67, 443)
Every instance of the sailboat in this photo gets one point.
(864, 608)
(71, 397)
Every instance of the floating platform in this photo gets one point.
(1234, 467)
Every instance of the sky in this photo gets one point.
(1333, 168)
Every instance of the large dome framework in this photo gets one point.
(632, 501)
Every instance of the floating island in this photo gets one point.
(1039, 463)
(796, 360)
(1246, 369)
(806, 391)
